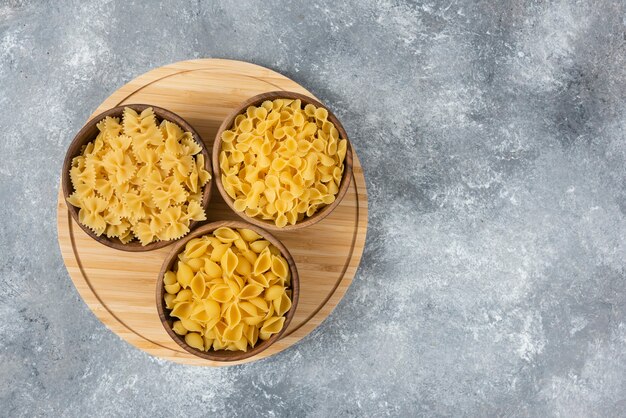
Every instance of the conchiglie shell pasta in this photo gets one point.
(172, 288)
(182, 310)
(212, 308)
(212, 269)
(191, 325)
(196, 248)
(185, 295)
(234, 333)
(269, 163)
(195, 264)
(263, 263)
(250, 291)
(218, 252)
(184, 274)
(279, 266)
(179, 328)
(169, 300)
(198, 284)
(228, 290)
(194, 340)
(248, 235)
(273, 325)
(274, 292)
(229, 262)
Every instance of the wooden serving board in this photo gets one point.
(119, 286)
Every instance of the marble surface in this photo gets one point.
(492, 135)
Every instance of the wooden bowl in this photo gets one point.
(224, 355)
(89, 132)
(269, 224)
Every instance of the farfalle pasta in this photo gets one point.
(282, 162)
(229, 290)
(139, 179)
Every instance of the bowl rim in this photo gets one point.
(85, 136)
(345, 178)
(224, 355)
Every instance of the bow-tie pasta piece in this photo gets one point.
(139, 180)
(282, 162)
(229, 290)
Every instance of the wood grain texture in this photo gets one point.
(257, 101)
(119, 286)
(89, 132)
(172, 259)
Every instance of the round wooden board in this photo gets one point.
(119, 286)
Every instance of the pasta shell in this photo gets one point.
(241, 282)
(212, 322)
(260, 279)
(195, 264)
(182, 310)
(218, 252)
(248, 235)
(274, 292)
(233, 315)
(259, 246)
(229, 262)
(243, 266)
(270, 312)
(196, 248)
(234, 285)
(250, 291)
(184, 274)
(169, 300)
(252, 335)
(282, 305)
(260, 303)
(212, 308)
(212, 269)
(172, 288)
(252, 320)
(250, 255)
(198, 284)
(263, 263)
(184, 295)
(240, 244)
(279, 266)
(273, 325)
(169, 277)
(240, 345)
(233, 334)
(248, 309)
(178, 328)
(200, 315)
(221, 293)
(226, 235)
(218, 345)
(191, 325)
(193, 339)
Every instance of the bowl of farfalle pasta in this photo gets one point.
(227, 291)
(282, 161)
(137, 177)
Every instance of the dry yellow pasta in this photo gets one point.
(139, 180)
(229, 289)
(282, 162)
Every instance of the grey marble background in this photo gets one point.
(492, 135)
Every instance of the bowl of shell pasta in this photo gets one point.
(282, 161)
(227, 291)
